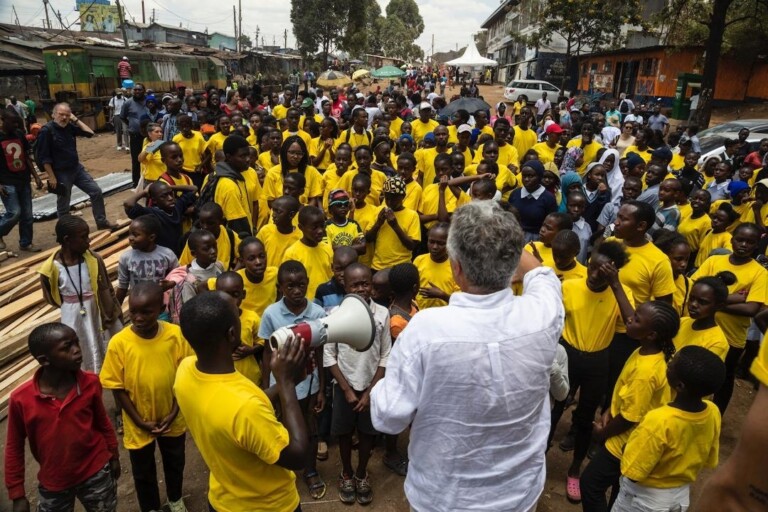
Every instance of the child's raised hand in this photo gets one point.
(610, 273)
(602, 187)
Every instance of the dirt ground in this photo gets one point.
(100, 157)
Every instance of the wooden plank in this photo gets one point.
(19, 321)
(15, 343)
(25, 287)
(14, 278)
(19, 377)
(23, 304)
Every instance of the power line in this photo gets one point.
(187, 19)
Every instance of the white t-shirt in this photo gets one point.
(542, 106)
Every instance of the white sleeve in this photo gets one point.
(558, 377)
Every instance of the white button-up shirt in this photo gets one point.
(472, 379)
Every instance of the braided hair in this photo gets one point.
(719, 284)
(701, 371)
(403, 277)
(67, 225)
(666, 322)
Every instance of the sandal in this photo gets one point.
(363, 490)
(317, 487)
(398, 465)
(573, 490)
(346, 489)
(322, 450)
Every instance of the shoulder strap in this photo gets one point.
(231, 235)
(397, 310)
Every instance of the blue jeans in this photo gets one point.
(17, 200)
(81, 179)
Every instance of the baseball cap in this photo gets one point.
(307, 103)
(338, 196)
(425, 104)
(464, 128)
(663, 152)
(553, 128)
(430, 137)
(359, 95)
(396, 185)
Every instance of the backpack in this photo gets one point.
(208, 192)
(173, 298)
(624, 107)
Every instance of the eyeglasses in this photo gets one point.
(296, 153)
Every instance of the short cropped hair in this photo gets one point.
(205, 319)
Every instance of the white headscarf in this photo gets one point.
(614, 177)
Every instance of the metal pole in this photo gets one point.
(234, 20)
(47, 19)
(122, 22)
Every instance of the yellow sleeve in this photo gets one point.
(112, 374)
(186, 256)
(314, 182)
(228, 197)
(272, 189)
(757, 292)
(760, 365)
(644, 449)
(636, 397)
(663, 281)
(257, 430)
(414, 228)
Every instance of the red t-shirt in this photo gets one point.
(71, 439)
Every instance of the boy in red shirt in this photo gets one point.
(61, 412)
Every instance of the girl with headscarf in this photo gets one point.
(501, 111)
(569, 182)
(572, 160)
(614, 178)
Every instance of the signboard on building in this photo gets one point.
(98, 18)
(603, 81)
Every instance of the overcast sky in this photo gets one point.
(451, 21)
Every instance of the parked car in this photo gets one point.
(531, 89)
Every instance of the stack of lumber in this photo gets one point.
(22, 307)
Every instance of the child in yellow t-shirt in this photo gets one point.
(695, 226)
(676, 247)
(310, 250)
(333, 174)
(718, 237)
(672, 444)
(552, 225)
(140, 369)
(708, 296)
(247, 356)
(211, 218)
(282, 232)
(192, 146)
(641, 387)
(437, 203)
(151, 165)
(364, 213)
(565, 248)
(340, 230)
(436, 283)
(396, 231)
(406, 166)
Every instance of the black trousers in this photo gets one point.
(602, 472)
(723, 395)
(621, 348)
(144, 471)
(587, 372)
(136, 140)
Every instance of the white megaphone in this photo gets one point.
(351, 323)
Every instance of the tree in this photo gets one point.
(319, 24)
(723, 25)
(582, 24)
(481, 41)
(408, 12)
(245, 42)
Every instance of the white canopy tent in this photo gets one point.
(471, 58)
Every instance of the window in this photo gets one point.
(548, 87)
(195, 75)
(648, 67)
(607, 66)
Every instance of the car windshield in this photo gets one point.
(712, 143)
(754, 125)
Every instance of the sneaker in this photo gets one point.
(30, 248)
(2, 244)
(346, 489)
(177, 506)
(363, 490)
(119, 148)
(568, 443)
(322, 450)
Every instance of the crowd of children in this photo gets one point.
(662, 270)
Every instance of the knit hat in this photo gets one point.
(735, 187)
(394, 185)
(338, 196)
(633, 160)
(537, 167)
(407, 137)
(662, 153)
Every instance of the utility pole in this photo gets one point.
(152, 19)
(47, 19)
(262, 42)
(61, 22)
(240, 23)
(16, 16)
(432, 54)
(234, 19)
(274, 43)
(285, 38)
(256, 41)
(143, 17)
(122, 22)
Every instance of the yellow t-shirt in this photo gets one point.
(273, 184)
(642, 387)
(153, 167)
(590, 152)
(431, 197)
(317, 260)
(678, 162)
(694, 230)
(146, 369)
(366, 218)
(579, 271)
(413, 194)
(377, 185)
(314, 150)
(425, 164)
(546, 153)
(748, 214)
(645, 155)
(345, 235)
(354, 139)
(453, 134)
(255, 191)
(545, 252)
(307, 138)
(224, 247)
(265, 160)
(438, 274)
(712, 339)
(193, 149)
(215, 143)
(751, 278)
(648, 273)
(249, 328)
(276, 243)
(524, 140)
(759, 366)
(259, 295)
(683, 286)
(507, 155)
(233, 197)
(388, 250)
(420, 129)
(670, 446)
(711, 241)
(280, 111)
(395, 128)
(590, 317)
(686, 210)
(240, 443)
(331, 180)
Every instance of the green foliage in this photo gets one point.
(408, 12)
(318, 24)
(245, 42)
